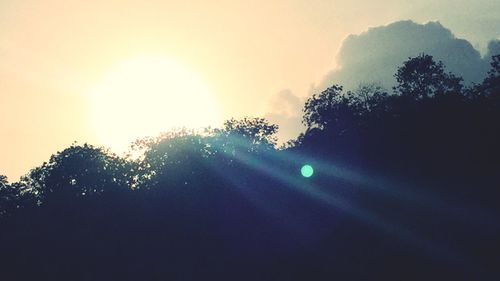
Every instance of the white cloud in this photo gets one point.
(375, 55)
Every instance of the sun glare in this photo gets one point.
(145, 96)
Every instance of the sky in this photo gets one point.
(245, 58)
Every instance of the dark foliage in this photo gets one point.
(405, 187)
(421, 77)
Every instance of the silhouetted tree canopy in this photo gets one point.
(7, 195)
(257, 132)
(82, 171)
(330, 108)
(491, 84)
(422, 77)
(405, 187)
(368, 98)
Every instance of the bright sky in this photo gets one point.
(55, 55)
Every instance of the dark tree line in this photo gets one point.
(405, 187)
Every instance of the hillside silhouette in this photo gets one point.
(405, 187)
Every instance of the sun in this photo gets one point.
(147, 95)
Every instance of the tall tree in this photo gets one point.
(421, 77)
(330, 108)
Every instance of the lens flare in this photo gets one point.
(307, 171)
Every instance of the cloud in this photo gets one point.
(493, 49)
(285, 109)
(373, 56)
(286, 103)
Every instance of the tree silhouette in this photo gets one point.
(250, 134)
(331, 108)
(174, 158)
(181, 157)
(421, 77)
(368, 98)
(80, 171)
(495, 67)
(7, 195)
(491, 84)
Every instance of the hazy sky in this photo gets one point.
(248, 53)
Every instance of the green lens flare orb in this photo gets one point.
(307, 171)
